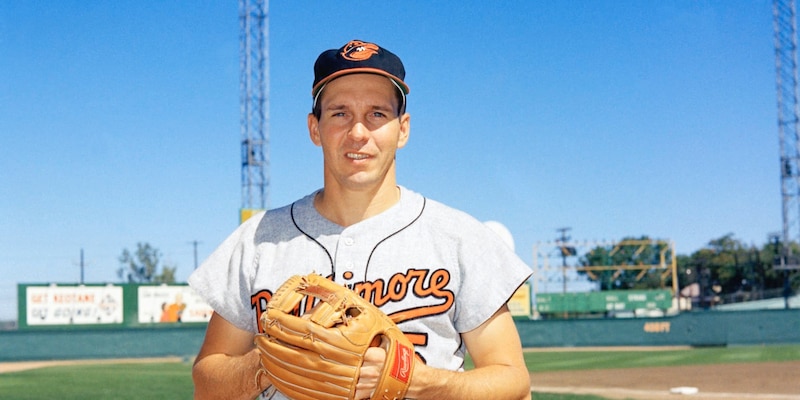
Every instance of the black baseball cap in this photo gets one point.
(358, 56)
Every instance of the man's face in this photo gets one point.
(359, 131)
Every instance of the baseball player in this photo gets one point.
(441, 275)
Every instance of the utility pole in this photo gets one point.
(81, 266)
(565, 251)
(194, 244)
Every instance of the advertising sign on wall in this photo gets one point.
(166, 304)
(68, 305)
(520, 302)
(610, 300)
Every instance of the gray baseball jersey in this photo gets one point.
(435, 270)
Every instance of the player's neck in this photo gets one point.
(349, 207)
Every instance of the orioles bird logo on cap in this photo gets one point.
(357, 50)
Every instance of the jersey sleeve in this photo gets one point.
(224, 280)
(490, 274)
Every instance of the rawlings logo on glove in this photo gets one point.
(318, 356)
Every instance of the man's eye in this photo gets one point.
(377, 114)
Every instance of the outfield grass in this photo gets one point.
(539, 361)
(126, 382)
(173, 380)
(101, 381)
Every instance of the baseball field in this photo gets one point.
(745, 372)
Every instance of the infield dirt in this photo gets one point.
(746, 381)
(26, 365)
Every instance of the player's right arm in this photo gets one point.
(227, 364)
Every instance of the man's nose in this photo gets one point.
(358, 132)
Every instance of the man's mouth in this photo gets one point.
(357, 156)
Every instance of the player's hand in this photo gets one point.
(370, 372)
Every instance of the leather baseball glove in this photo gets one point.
(318, 356)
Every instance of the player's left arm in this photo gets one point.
(499, 373)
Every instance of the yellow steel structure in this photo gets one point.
(667, 261)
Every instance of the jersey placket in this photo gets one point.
(350, 257)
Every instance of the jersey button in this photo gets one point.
(349, 241)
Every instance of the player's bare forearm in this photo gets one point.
(500, 371)
(495, 382)
(220, 376)
(227, 363)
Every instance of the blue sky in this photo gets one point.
(119, 121)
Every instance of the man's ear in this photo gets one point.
(405, 130)
(313, 129)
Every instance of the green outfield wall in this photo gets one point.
(699, 328)
(70, 344)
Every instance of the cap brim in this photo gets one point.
(402, 85)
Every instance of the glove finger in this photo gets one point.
(287, 298)
(335, 301)
(343, 347)
(352, 331)
(301, 378)
(276, 355)
(300, 392)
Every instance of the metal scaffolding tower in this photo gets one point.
(254, 102)
(785, 24)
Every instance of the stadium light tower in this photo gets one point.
(785, 25)
(254, 104)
